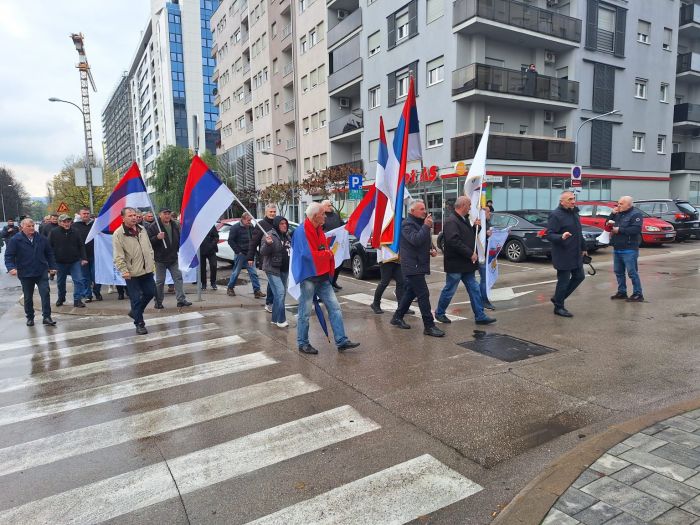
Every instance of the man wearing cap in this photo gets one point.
(165, 239)
(69, 250)
(83, 227)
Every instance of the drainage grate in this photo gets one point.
(504, 347)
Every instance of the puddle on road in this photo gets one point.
(504, 347)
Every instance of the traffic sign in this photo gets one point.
(356, 194)
(355, 181)
(62, 208)
(576, 177)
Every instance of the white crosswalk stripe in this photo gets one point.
(131, 387)
(72, 372)
(387, 305)
(89, 332)
(140, 488)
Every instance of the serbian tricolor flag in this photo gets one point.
(130, 192)
(204, 200)
(361, 221)
(305, 260)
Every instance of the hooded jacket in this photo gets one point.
(275, 256)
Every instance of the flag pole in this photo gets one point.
(246, 210)
(153, 210)
(481, 189)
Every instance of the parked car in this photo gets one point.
(363, 259)
(527, 234)
(225, 252)
(654, 231)
(684, 218)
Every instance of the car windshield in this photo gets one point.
(686, 207)
(538, 218)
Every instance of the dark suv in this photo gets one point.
(681, 214)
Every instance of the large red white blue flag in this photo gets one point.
(204, 200)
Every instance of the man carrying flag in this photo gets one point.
(312, 266)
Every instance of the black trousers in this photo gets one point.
(567, 282)
(42, 283)
(416, 287)
(211, 259)
(389, 271)
(334, 281)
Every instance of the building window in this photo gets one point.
(313, 38)
(560, 133)
(321, 73)
(402, 85)
(601, 144)
(661, 144)
(524, 129)
(306, 125)
(663, 97)
(314, 121)
(436, 71)
(373, 150)
(307, 164)
(323, 161)
(434, 9)
(603, 88)
(303, 4)
(676, 147)
(403, 24)
(374, 44)
(605, 28)
(322, 118)
(640, 88)
(398, 82)
(375, 97)
(433, 134)
(638, 142)
(273, 29)
(643, 31)
(668, 39)
(313, 78)
(304, 83)
(302, 45)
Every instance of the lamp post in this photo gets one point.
(2, 198)
(265, 152)
(88, 168)
(613, 112)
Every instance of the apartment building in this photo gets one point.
(117, 129)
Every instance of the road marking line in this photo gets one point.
(78, 334)
(107, 365)
(395, 495)
(533, 284)
(386, 304)
(49, 355)
(119, 495)
(131, 387)
(96, 437)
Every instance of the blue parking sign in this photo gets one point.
(355, 181)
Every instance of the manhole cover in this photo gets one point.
(504, 347)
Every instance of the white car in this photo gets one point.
(225, 252)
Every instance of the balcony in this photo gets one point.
(686, 117)
(245, 38)
(246, 68)
(286, 31)
(291, 144)
(288, 106)
(288, 69)
(516, 21)
(248, 98)
(249, 127)
(480, 82)
(346, 126)
(685, 161)
(345, 75)
(688, 67)
(689, 24)
(354, 166)
(346, 27)
(514, 147)
(214, 50)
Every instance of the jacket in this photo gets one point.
(133, 253)
(46, 228)
(83, 229)
(566, 254)
(239, 237)
(9, 231)
(459, 240)
(257, 236)
(275, 256)
(210, 244)
(333, 221)
(30, 258)
(164, 254)
(323, 258)
(414, 247)
(629, 237)
(67, 245)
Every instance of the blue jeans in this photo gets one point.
(278, 283)
(325, 292)
(452, 281)
(627, 260)
(75, 270)
(42, 283)
(141, 290)
(482, 284)
(239, 263)
(89, 279)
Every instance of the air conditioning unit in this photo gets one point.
(549, 57)
(553, 3)
(549, 116)
(342, 13)
(344, 102)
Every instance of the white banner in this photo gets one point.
(339, 244)
(495, 243)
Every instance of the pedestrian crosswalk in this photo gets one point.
(244, 376)
(387, 305)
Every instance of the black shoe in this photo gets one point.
(30, 322)
(141, 330)
(120, 297)
(98, 297)
(204, 287)
(180, 304)
(60, 302)
(400, 323)
(78, 304)
(158, 306)
(131, 314)
(489, 306)
(308, 349)
(636, 298)
(347, 345)
(488, 320)
(214, 287)
(563, 312)
(88, 299)
(442, 318)
(337, 287)
(433, 331)
(619, 295)
(376, 308)
(49, 322)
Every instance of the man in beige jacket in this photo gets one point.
(133, 257)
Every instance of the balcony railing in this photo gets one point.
(689, 15)
(512, 82)
(355, 166)
(286, 31)
(345, 74)
(246, 68)
(688, 62)
(245, 38)
(686, 113)
(518, 14)
(344, 28)
(247, 99)
(346, 123)
(685, 161)
(288, 106)
(288, 69)
(291, 144)
(514, 147)
(249, 128)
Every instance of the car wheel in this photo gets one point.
(358, 266)
(515, 251)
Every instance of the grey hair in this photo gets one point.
(26, 220)
(128, 208)
(327, 201)
(270, 205)
(462, 200)
(414, 203)
(627, 198)
(246, 215)
(313, 209)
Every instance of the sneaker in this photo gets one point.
(180, 304)
(347, 345)
(489, 306)
(268, 308)
(214, 287)
(88, 299)
(258, 294)
(619, 295)
(442, 318)
(230, 292)
(282, 325)
(636, 298)
(141, 330)
(308, 349)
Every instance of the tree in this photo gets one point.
(331, 181)
(14, 196)
(170, 175)
(62, 188)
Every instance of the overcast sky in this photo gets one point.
(38, 61)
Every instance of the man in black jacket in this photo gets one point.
(254, 247)
(415, 250)
(239, 238)
(69, 250)
(207, 254)
(461, 262)
(166, 255)
(626, 238)
(46, 228)
(8, 231)
(568, 248)
(333, 221)
(83, 227)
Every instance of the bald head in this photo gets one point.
(462, 205)
(625, 203)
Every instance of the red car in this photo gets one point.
(654, 231)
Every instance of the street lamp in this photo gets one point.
(266, 152)
(2, 198)
(88, 168)
(613, 112)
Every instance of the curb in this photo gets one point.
(532, 503)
